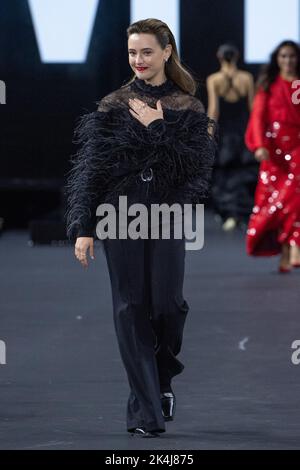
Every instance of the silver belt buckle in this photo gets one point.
(147, 178)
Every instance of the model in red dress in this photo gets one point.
(273, 134)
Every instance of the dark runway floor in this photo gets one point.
(64, 386)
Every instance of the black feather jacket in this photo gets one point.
(117, 153)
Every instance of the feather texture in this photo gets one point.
(114, 148)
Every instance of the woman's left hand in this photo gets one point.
(144, 113)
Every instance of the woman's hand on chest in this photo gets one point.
(144, 113)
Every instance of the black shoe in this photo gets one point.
(141, 432)
(168, 405)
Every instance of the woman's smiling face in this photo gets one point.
(146, 57)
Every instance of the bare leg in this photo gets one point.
(295, 255)
(285, 264)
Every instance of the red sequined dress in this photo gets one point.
(275, 124)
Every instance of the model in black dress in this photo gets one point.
(230, 98)
(151, 141)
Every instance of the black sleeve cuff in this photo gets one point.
(86, 231)
(157, 125)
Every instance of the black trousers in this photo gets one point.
(149, 314)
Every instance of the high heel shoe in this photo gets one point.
(141, 432)
(168, 405)
(283, 270)
(229, 224)
(296, 265)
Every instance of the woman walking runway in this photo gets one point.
(230, 95)
(273, 133)
(151, 141)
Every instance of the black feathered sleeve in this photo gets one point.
(86, 180)
(186, 149)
